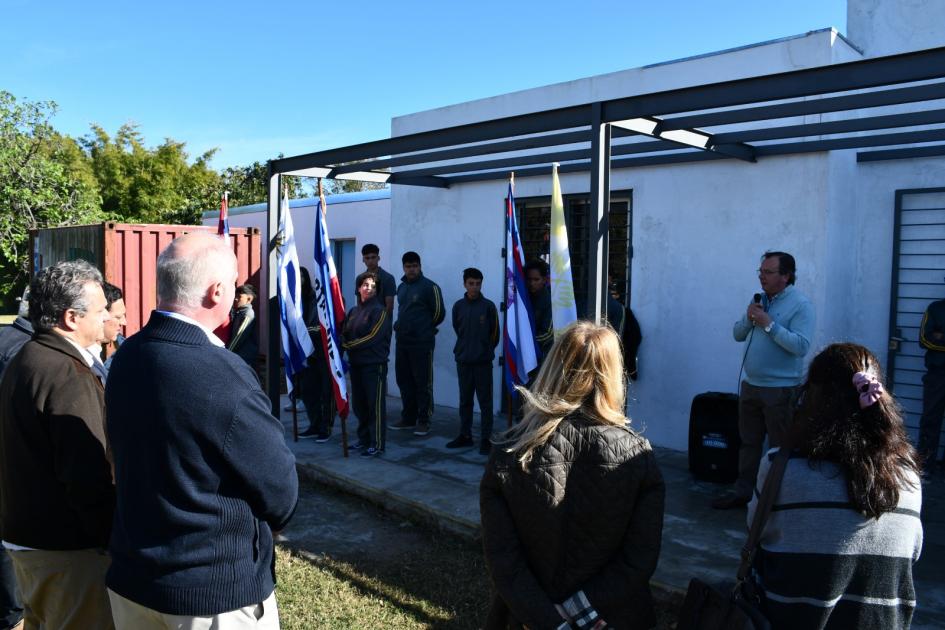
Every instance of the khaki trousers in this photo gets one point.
(62, 590)
(761, 410)
(132, 616)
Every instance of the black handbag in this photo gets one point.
(709, 608)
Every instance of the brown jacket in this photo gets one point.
(587, 515)
(56, 489)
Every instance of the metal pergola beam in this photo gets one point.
(891, 121)
(824, 105)
(520, 144)
(901, 154)
(810, 146)
(856, 75)
(855, 85)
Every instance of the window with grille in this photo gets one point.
(534, 216)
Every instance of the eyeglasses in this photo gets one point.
(769, 272)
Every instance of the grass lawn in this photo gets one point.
(446, 587)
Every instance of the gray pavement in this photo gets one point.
(420, 479)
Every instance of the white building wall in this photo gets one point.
(887, 27)
(874, 193)
(698, 231)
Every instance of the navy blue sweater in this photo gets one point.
(203, 474)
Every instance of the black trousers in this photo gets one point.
(933, 406)
(315, 391)
(413, 368)
(475, 378)
(369, 399)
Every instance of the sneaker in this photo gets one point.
(309, 433)
(460, 442)
(321, 438)
(423, 428)
(370, 452)
(402, 425)
(357, 446)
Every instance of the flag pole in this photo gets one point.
(344, 421)
(505, 313)
(295, 410)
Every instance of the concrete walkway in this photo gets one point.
(419, 478)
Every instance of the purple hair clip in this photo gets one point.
(869, 387)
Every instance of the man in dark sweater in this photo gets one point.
(419, 312)
(204, 476)
(476, 322)
(56, 492)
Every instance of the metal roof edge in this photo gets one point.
(364, 195)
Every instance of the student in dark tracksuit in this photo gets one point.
(366, 339)
(419, 312)
(386, 285)
(536, 279)
(539, 294)
(476, 322)
(314, 381)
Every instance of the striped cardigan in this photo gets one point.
(824, 565)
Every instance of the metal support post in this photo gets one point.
(274, 349)
(598, 217)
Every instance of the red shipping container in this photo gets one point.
(126, 254)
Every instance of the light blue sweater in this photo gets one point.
(776, 359)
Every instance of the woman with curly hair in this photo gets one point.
(572, 498)
(838, 547)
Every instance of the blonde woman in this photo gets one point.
(572, 498)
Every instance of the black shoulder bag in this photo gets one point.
(708, 608)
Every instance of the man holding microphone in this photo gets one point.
(777, 328)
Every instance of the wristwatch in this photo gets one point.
(769, 326)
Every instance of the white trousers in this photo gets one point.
(129, 615)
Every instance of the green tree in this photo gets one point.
(158, 185)
(250, 184)
(45, 181)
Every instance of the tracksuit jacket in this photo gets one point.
(476, 323)
(366, 333)
(419, 312)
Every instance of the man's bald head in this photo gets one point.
(194, 273)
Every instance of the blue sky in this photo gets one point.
(256, 80)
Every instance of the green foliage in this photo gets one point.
(51, 180)
(143, 185)
(250, 184)
(44, 182)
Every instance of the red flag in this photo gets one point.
(223, 226)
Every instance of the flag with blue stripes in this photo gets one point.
(331, 308)
(296, 343)
(519, 348)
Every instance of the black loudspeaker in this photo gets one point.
(713, 437)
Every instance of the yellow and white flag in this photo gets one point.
(563, 310)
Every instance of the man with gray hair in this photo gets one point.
(203, 472)
(56, 492)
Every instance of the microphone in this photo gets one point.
(757, 298)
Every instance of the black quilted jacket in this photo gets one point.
(588, 515)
